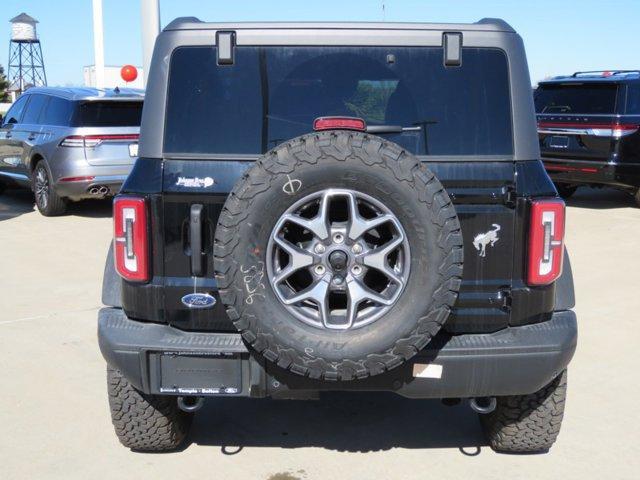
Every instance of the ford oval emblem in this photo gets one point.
(198, 300)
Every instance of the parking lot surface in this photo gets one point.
(54, 419)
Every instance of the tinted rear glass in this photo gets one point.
(272, 94)
(57, 112)
(108, 114)
(590, 98)
(633, 99)
(34, 108)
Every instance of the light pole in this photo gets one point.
(98, 43)
(150, 14)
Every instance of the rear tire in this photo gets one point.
(566, 190)
(527, 423)
(146, 423)
(47, 200)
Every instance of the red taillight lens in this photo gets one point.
(546, 241)
(339, 123)
(131, 241)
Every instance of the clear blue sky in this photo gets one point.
(560, 36)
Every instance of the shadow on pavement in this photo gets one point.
(16, 202)
(344, 422)
(91, 208)
(601, 198)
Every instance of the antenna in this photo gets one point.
(383, 12)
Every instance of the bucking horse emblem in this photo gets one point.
(481, 240)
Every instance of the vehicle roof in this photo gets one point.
(90, 93)
(486, 24)
(604, 76)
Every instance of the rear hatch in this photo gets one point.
(576, 120)
(457, 119)
(110, 129)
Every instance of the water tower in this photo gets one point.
(26, 65)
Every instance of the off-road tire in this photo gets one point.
(527, 423)
(55, 205)
(338, 159)
(566, 190)
(146, 423)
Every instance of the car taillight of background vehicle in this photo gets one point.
(131, 241)
(546, 241)
(616, 130)
(91, 141)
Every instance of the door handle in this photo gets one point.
(195, 237)
(8, 135)
(31, 136)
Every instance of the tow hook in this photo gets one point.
(190, 404)
(483, 405)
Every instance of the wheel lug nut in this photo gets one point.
(319, 269)
(357, 248)
(319, 248)
(356, 269)
(338, 238)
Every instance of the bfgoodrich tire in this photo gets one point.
(400, 313)
(146, 423)
(527, 423)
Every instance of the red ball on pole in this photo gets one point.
(129, 73)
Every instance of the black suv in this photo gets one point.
(589, 130)
(333, 206)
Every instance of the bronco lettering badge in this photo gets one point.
(198, 300)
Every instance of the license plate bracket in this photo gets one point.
(559, 141)
(219, 374)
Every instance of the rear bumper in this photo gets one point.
(91, 188)
(578, 172)
(160, 359)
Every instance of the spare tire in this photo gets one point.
(338, 255)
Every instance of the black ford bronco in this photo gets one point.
(331, 206)
(589, 130)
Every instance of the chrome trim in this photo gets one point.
(15, 176)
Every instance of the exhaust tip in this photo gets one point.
(190, 404)
(483, 405)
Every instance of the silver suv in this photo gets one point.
(70, 143)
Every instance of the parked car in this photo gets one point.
(589, 130)
(70, 143)
(305, 200)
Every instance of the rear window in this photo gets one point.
(272, 94)
(57, 112)
(633, 99)
(587, 99)
(108, 114)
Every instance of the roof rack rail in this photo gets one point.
(607, 72)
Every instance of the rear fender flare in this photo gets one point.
(111, 283)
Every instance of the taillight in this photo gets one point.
(131, 242)
(339, 123)
(546, 241)
(91, 141)
(616, 130)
